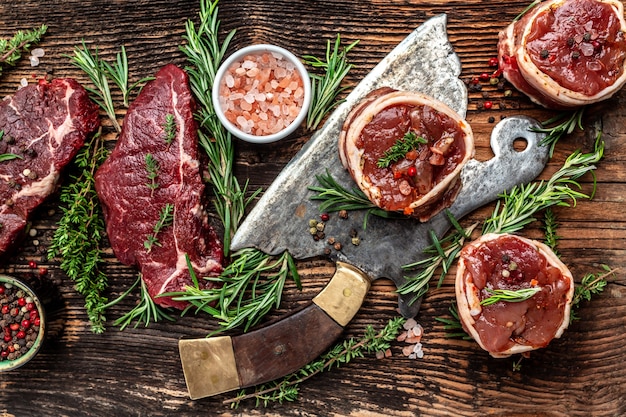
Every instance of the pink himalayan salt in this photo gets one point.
(262, 94)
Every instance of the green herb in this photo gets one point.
(549, 227)
(11, 49)
(517, 208)
(326, 88)
(170, 128)
(146, 311)
(152, 168)
(9, 156)
(568, 122)
(454, 324)
(517, 365)
(287, 389)
(591, 284)
(236, 306)
(443, 253)
(526, 10)
(166, 218)
(509, 296)
(410, 141)
(78, 237)
(100, 72)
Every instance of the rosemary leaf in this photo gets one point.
(9, 157)
(11, 49)
(326, 88)
(568, 122)
(287, 389)
(509, 296)
(453, 325)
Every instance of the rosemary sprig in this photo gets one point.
(454, 324)
(509, 296)
(443, 253)
(252, 274)
(152, 168)
(146, 310)
(326, 88)
(517, 208)
(118, 73)
(287, 389)
(410, 141)
(78, 237)
(9, 157)
(11, 49)
(568, 122)
(170, 128)
(591, 284)
(526, 10)
(166, 218)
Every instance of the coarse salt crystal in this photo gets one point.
(38, 52)
(23, 82)
(229, 80)
(34, 61)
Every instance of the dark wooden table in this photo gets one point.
(137, 372)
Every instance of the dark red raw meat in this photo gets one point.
(132, 208)
(45, 124)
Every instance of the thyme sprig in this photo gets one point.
(568, 122)
(326, 88)
(591, 284)
(166, 218)
(509, 296)
(146, 311)
(79, 234)
(249, 287)
(11, 49)
(550, 225)
(410, 141)
(152, 168)
(287, 389)
(170, 128)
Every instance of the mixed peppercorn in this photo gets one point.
(20, 322)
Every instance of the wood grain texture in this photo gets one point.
(137, 372)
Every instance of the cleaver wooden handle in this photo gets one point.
(219, 364)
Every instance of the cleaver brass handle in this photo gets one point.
(219, 364)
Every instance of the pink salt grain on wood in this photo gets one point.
(262, 93)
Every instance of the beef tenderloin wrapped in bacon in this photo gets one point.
(509, 262)
(566, 53)
(431, 144)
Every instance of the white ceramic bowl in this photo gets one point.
(259, 49)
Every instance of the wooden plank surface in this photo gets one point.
(137, 372)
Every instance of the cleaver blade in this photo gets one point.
(425, 62)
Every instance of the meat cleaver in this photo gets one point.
(425, 62)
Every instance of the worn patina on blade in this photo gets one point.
(424, 62)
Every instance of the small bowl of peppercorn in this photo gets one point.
(21, 322)
(262, 93)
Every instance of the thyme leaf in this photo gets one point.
(509, 296)
(11, 49)
(549, 227)
(325, 89)
(166, 218)
(410, 141)
(287, 389)
(152, 168)
(78, 239)
(591, 284)
(170, 128)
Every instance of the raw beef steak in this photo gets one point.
(45, 124)
(134, 196)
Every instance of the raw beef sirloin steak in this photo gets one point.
(152, 192)
(44, 125)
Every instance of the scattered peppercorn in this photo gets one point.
(487, 105)
(356, 241)
(343, 214)
(544, 54)
(325, 217)
(337, 246)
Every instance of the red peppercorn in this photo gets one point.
(324, 217)
(412, 171)
(32, 264)
(8, 338)
(37, 321)
(11, 349)
(487, 105)
(43, 271)
(484, 76)
(14, 326)
(33, 314)
(4, 353)
(493, 61)
(5, 309)
(21, 334)
(21, 301)
(2, 289)
(30, 306)
(26, 323)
